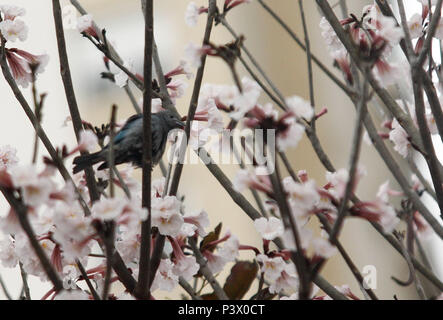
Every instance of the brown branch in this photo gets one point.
(70, 95)
(142, 289)
(21, 212)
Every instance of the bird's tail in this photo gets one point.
(84, 161)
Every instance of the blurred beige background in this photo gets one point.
(284, 62)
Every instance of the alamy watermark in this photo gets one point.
(247, 146)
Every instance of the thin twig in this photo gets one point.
(194, 100)
(353, 161)
(5, 289)
(218, 290)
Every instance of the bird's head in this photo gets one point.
(172, 120)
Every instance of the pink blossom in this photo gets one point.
(245, 101)
(166, 215)
(244, 179)
(288, 280)
(216, 262)
(69, 15)
(291, 137)
(415, 26)
(333, 43)
(400, 139)
(229, 251)
(11, 12)
(323, 248)
(271, 267)
(108, 208)
(199, 219)
(121, 78)
(88, 141)
(85, 24)
(303, 196)
(177, 88)
(184, 266)
(192, 13)
(20, 62)
(183, 68)
(194, 53)
(209, 112)
(300, 107)
(165, 278)
(8, 257)
(13, 30)
(128, 245)
(8, 157)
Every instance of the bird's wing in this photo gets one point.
(121, 134)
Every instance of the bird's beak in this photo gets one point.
(180, 124)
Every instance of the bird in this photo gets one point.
(128, 142)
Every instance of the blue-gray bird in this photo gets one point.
(128, 142)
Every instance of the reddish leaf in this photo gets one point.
(212, 236)
(239, 281)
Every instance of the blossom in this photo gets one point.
(88, 140)
(415, 26)
(300, 107)
(303, 196)
(85, 24)
(216, 262)
(20, 63)
(229, 251)
(69, 15)
(287, 280)
(290, 137)
(183, 68)
(13, 30)
(400, 139)
(379, 210)
(390, 73)
(323, 248)
(207, 111)
(245, 179)
(128, 245)
(389, 30)
(245, 101)
(184, 266)
(199, 219)
(333, 43)
(192, 13)
(121, 78)
(8, 257)
(177, 88)
(271, 267)
(270, 228)
(165, 278)
(338, 180)
(421, 226)
(24, 175)
(194, 53)
(166, 215)
(108, 208)
(8, 157)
